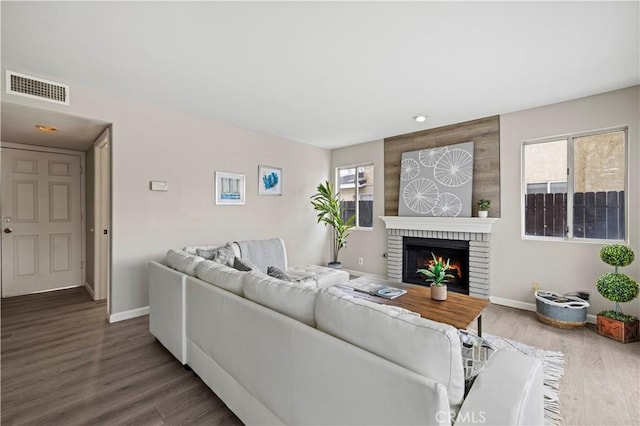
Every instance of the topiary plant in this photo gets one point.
(616, 286)
(617, 255)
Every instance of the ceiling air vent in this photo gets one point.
(37, 88)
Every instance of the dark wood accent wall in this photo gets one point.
(484, 132)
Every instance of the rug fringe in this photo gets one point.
(553, 365)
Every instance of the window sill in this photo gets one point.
(573, 241)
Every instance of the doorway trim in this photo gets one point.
(102, 217)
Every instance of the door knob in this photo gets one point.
(8, 230)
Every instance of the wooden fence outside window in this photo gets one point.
(597, 215)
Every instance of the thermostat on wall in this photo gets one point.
(157, 185)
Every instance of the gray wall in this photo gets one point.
(365, 243)
(516, 263)
(560, 266)
(152, 143)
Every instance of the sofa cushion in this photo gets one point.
(425, 347)
(222, 276)
(295, 300)
(183, 261)
(324, 276)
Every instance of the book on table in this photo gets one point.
(385, 291)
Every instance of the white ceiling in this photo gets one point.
(76, 133)
(330, 73)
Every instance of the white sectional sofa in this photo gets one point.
(280, 352)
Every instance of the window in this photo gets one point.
(355, 184)
(574, 186)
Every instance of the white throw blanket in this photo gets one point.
(263, 253)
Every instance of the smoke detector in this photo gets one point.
(37, 88)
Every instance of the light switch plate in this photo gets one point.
(158, 185)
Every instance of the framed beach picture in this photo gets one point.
(269, 180)
(230, 188)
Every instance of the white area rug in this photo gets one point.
(552, 367)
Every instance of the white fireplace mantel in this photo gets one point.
(447, 224)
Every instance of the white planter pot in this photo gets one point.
(483, 213)
(439, 292)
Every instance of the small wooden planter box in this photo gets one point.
(624, 332)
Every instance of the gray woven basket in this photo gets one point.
(561, 311)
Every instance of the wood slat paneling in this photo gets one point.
(484, 133)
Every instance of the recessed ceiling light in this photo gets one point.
(43, 128)
(420, 118)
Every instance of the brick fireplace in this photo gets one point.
(475, 231)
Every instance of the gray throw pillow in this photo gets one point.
(476, 351)
(278, 273)
(207, 253)
(275, 272)
(243, 265)
(223, 254)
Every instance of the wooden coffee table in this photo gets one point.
(459, 310)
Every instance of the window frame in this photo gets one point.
(357, 189)
(568, 235)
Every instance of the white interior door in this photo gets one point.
(41, 221)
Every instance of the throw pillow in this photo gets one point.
(243, 265)
(305, 280)
(223, 254)
(206, 253)
(275, 272)
(476, 351)
(278, 273)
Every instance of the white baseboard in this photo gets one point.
(89, 290)
(591, 319)
(133, 313)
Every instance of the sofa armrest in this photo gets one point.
(508, 391)
(167, 308)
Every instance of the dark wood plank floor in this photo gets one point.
(63, 364)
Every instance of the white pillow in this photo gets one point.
(183, 261)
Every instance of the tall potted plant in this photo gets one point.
(327, 203)
(619, 288)
(436, 274)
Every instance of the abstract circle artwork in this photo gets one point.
(420, 195)
(454, 168)
(437, 181)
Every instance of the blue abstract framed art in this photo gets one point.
(269, 180)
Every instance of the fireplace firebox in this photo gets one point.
(417, 254)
